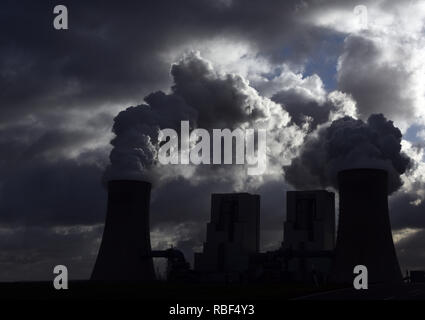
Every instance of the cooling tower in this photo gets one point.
(125, 251)
(364, 232)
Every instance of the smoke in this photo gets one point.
(207, 99)
(212, 100)
(135, 145)
(349, 143)
(308, 110)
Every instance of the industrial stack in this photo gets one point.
(364, 230)
(125, 251)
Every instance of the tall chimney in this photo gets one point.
(125, 251)
(364, 232)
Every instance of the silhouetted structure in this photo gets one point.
(178, 269)
(125, 251)
(310, 220)
(232, 236)
(417, 276)
(309, 234)
(364, 232)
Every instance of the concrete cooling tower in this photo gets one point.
(364, 232)
(125, 251)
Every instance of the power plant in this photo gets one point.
(308, 253)
(364, 230)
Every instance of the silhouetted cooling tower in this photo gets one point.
(125, 252)
(364, 232)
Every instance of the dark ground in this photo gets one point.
(157, 291)
(411, 291)
(207, 292)
(154, 301)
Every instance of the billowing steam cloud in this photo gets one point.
(135, 146)
(208, 100)
(349, 143)
(305, 109)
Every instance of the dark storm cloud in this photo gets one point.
(111, 53)
(31, 253)
(303, 109)
(349, 143)
(411, 251)
(59, 193)
(376, 85)
(219, 101)
(36, 192)
(186, 202)
(406, 212)
(55, 142)
(49, 209)
(29, 145)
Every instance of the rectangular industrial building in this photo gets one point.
(310, 220)
(233, 235)
(309, 233)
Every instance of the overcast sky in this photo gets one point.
(313, 73)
